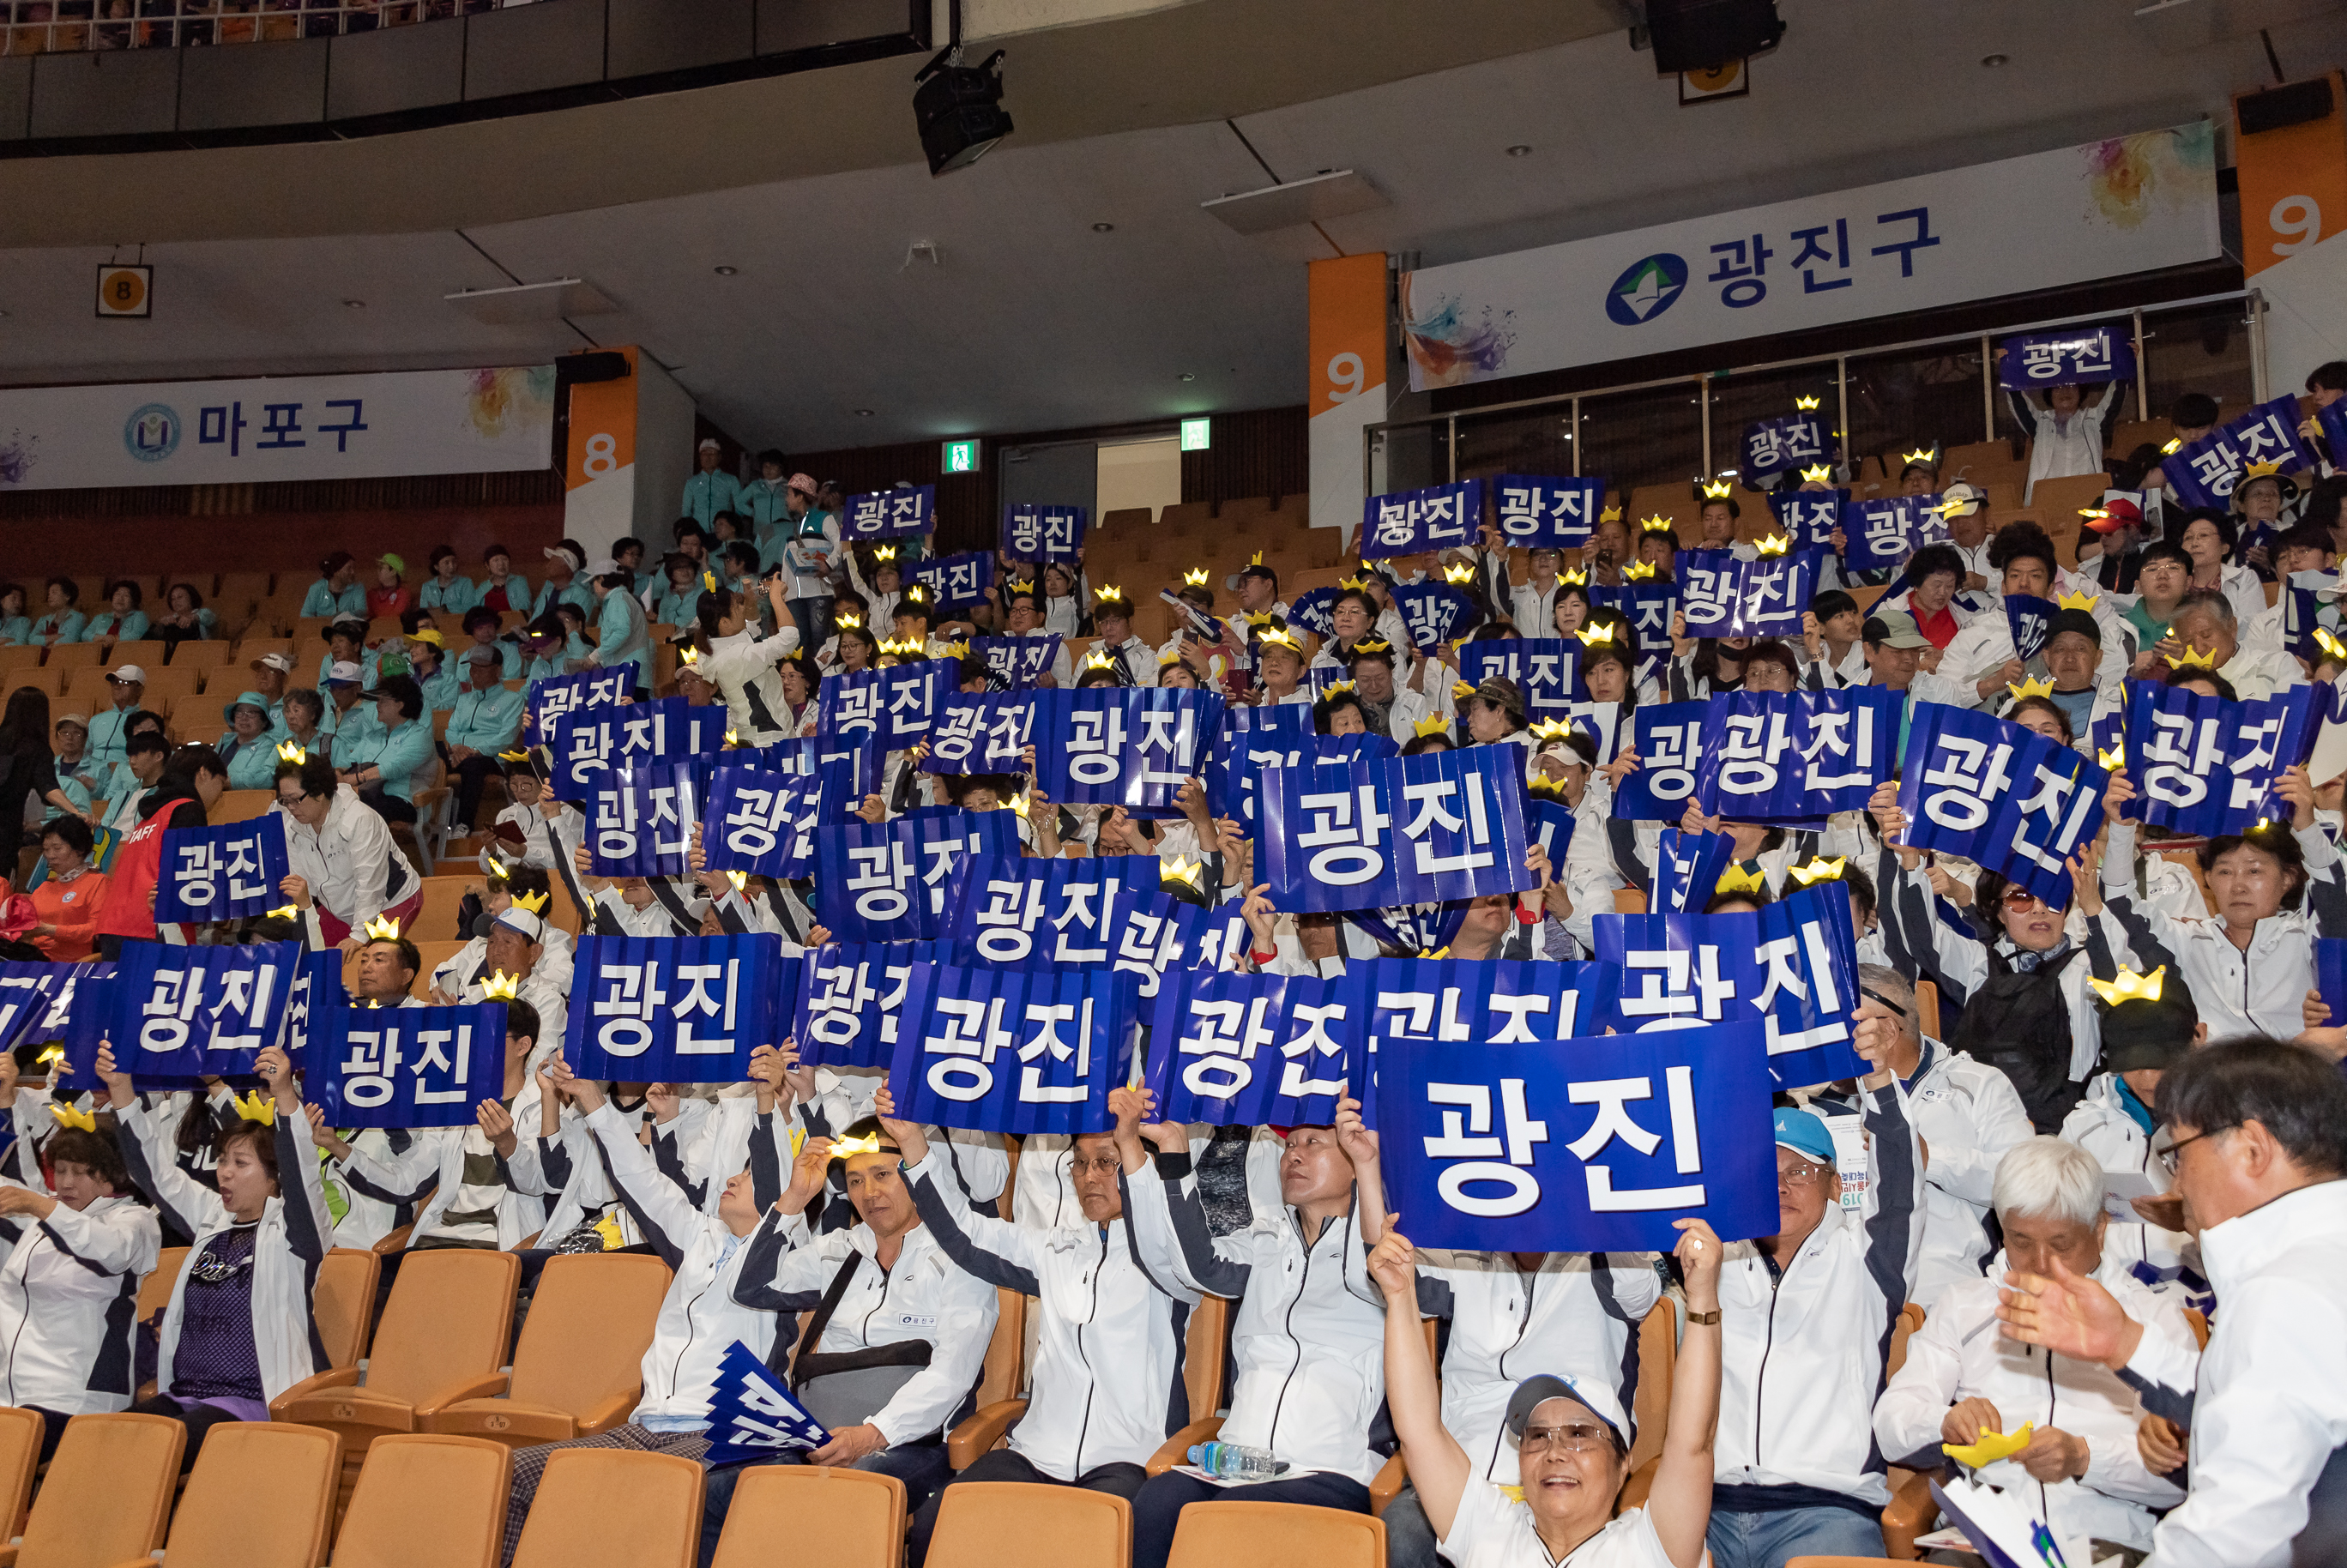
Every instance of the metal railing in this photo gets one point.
(75, 26)
(1377, 438)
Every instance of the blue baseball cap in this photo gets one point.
(1804, 1132)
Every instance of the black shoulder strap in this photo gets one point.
(824, 1309)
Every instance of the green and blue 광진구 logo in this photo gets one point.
(1647, 288)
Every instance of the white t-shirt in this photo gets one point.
(1492, 1530)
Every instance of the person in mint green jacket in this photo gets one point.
(679, 598)
(624, 633)
(486, 720)
(427, 662)
(250, 747)
(63, 622)
(15, 626)
(444, 593)
(564, 562)
(402, 762)
(711, 490)
(336, 594)
(121, 621)
(766, 504)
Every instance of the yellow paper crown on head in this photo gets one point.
(1107, 592)
(909, 646)
(2268, 470)
(1098, 660)
(517, 755)
(2193, 659)
(885, 552)
(1818, 870)
(851, 622)
(1460, 690)
(2074, 600)
(2112, 758)
(292, 751)
(2031, 686)
(1372, 645)
(1774, 545)
(1431, 726)
(691, 656)
(1609, 514)
(733, 736)
(1257, 559)
(1717, 490)
(1182, 868)
(1023, 585)
(958, 650)
(1551, 729)
(81, 1121)
(1591, 636)
(1926, 455)
(918, 594)
(1280, 637)
(383, 928)
(502, 987)
(848, 1148)
(2173, 444)
(2130, 986)
(533, 902)
(257, 1107)
(1819, 475)
(1742, 879)
(1195, 577)
(1352, 584)
(1460, 572)
(1578, 577)
(1657, 524)
(1334, 687)
(1804, 404)
(2331, 646)
(1639, 571)
(1019, 806)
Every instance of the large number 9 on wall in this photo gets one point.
(602, 454)
(1346, 376)
(2297, 215)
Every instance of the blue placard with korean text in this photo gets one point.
(1791, 965)
(1025, 913)
(2006, 799)
(28, 995)
(2029, 619)
(890, 881)
(2068, 356)
(1774, 446)
(1668, 740)
(177, 1014)
(1434, 613)
(2204, 765)
(1796, 757)
(850, 997)
(407, 1067)
(644, 820)
(752, 1414)
(954, 579)
(1252, 739)
(891, 708)
(1650, 608)
(1723, 595)
(1133, 746)
(1508, 1001)
(1810, 517)
(1594, 1147)
(556, 695)
(1017, 662)
(225, 872)
(1247, 1050)
(1688, 869)
(1884, 531)
(1546, 513)
(1427, 829)
(2205, 473)
(895, 514)
(674, 1009)
(1012, 1050)
(1545, 669)
(751, 821)
(1032, 531)
(983, 733)
(1415, 522)
(590, 743)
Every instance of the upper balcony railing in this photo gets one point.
(70, 27)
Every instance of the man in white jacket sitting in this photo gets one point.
(2080, 1473)
(699, 1319)
(2152, 1027)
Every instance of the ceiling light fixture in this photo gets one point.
(353, 304)
(1187, 377)
(1104, 227)
(1521, 150)
(727, 271)
(1994, 61)
(861, 412)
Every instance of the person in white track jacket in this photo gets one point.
(699, 1319)
(1809, 1313)
(2259, 1160)
(238, 1330)
(1105, 1389)
(346, 870)
(1307, 1343)
(2080, 1473)
(2142, 1038)
(69, 1289)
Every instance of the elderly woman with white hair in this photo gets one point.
(1962, 1380)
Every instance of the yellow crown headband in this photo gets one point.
(2074, 599)
(255, 1107)
(1717, 490)
(383, 930)
(1804, 404)
(533, 902)
(2174, 445)
(958, 650)
(1591, 636)
(1430, 725)
(2272, 470)
(885, 552)
(502, 987)
(1097, 659)
(1551, 729)
(292, 751)
(1775, 545)
(2031, 686)
(1609, 514)
(1819, 475)
(1182, 868)
(1740, 880)
(1928, 454)
(1818, 870)
(1641, 571)
(2193, 659)
(1461, 573)
(1372, 645)
(1352, 585)
(848, 1148)
(691, 656)
(917, 594)
(2130, 986)
(2330, 647)
(1542, 785)
(79, 1120)
(851, 623)
(1280, 637)
(1577, 577)
(2113, 758)
(1195, 577)
(1657, 524)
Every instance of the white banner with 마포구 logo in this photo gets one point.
(495, 419)
(2131, 204)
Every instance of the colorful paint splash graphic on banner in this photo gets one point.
(1446, 349)
(504, 398)
(17, 457)
(2127, 175)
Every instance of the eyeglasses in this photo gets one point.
(2022, 899)
(2173, 1155)
(1800, 1174)
(1581, 1436)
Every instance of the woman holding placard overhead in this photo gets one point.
(741, 664)
(238, 1331)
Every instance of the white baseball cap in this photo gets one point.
(129, 673)
(344, 672)
(281, 662)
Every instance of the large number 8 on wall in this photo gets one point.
(602, 453)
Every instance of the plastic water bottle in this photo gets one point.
(1235, 1462)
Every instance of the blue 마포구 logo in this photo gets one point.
(152, 432)
(1647, 290)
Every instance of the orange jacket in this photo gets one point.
(72, 907)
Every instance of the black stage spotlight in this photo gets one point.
(959, 109)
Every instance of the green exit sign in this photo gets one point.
(1197, 435)
(961, 457)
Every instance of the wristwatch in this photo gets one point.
(1704, 1318)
